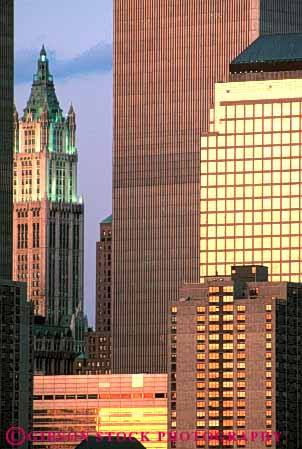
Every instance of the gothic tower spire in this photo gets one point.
(43, 91)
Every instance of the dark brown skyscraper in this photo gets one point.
(6, 134)
(103, 323)
(15, 311)
(168, 55)
(98, 348)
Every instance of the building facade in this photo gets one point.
(93, 359)
(16, 316)
(16, 367)
(103, 323)
(100, 403)
(171, 53)
(6, 135)
(96, 358)
(251, 185)
(48, 215)
(236, 362)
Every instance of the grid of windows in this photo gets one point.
(173, 368)
(101, 403)
(251, 181)
(268, 382)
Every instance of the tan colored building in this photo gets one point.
(251, 182)
(235, 362)
(100, 403)
(48, 222)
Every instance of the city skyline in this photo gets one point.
(82, 67)
(168, 56)
(193, 112)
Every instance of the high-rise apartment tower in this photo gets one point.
(235, 362)
(168, 54)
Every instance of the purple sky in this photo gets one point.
(78, 38)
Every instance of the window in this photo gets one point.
(240, 308)
(200, 309)
(228, 288)
(200, 337)
(228, 365)
(228, 423)
(228, 299)
(228, 308)
(214, 337)
(200, 366)
(200, 347)
(200, 404)
(213, 423)
(228, 346)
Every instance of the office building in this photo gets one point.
(103, 323)
(15, 312)
(96, 358)
(251, 185)
(167, 57)
(93, 359)
(48, 214)
(16, 359)
(54, 348)
(100, 403)
(6, 135)
(235, 362)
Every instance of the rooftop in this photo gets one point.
(271, 52)
(43, 96)
(107, 220)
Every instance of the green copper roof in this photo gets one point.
(274, 48)
(43, 94)
(108, 219)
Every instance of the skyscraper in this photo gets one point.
(6, 135)
(103, 322)
(48, 215)
(167, 56)
(251, 185)
(235, 362)
(16, 353)
(98, 346)
(15, 311)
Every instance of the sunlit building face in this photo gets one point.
(251, 179)
(130, 403)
